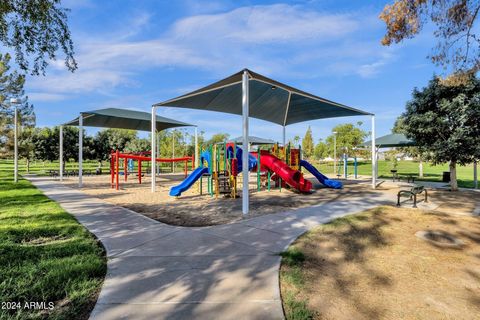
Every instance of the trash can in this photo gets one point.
(446, 176)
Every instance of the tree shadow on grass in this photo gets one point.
(330, 251)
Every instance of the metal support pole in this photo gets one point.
(153, 148)
(284, 136)
(355, 167)
(157, 168)
(374, 156)
(60, 173)
(475, 175)
(15, 165)
(80, 150)
(173, 151)
(245, 109)
(197, 160)
(335, 153)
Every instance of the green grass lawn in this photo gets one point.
(45, 256)
(430, 172)
(42, 167)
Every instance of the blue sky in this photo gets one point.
(132, 54)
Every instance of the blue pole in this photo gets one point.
(355, 166)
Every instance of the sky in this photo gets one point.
(132, 54)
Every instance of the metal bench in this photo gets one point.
(412, 193)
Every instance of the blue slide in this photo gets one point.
(252, 161)
(188, 182)
(334, 184)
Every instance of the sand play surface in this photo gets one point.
(193, 209)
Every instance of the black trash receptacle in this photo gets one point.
(446, 176)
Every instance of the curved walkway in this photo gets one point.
(157, 271)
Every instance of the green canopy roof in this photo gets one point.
(253, 140)
(391, 140)
(124, 119)
(269, 100)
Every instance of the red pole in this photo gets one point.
(140, 171)
(125, 168)
(116, 169)
(111, 167)
(186, 167)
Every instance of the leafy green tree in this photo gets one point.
(307, 144)
(46, 144)
(321, 150)
(216, 138)
(399, 125)
(444, 121)
(26, 145)
(36, 30)
(108, 140)
(70, 142)
(138, 145)
(349, 136)
(295, 141)
(11, 86)
(201, 143)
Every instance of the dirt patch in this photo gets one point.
(193, 209)
(459, 202)
(373, 266)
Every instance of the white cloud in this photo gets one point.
(272, 39)
(371, 69)
(277, 23)
(45, 97)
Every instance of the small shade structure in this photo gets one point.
(119, 119)
(400, 140)
(391, 141)
(254, 141)
(250, 94)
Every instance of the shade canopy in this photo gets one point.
(253, 140)
(391, 140)
(124, 119)
(269, 100)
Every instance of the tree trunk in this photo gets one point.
(28, 165)
(420, 169)
(453, 176)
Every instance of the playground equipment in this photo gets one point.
(128, 165)
(224, 162)
(330, 183)
(279, 164)
(343, 170)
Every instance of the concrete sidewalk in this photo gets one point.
(157, 271)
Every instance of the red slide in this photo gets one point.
(293, 178)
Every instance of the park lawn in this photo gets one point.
(45, 256)
(42, 167)
(371, 265)
(430, 172)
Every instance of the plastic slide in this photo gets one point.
(188, 182)
(293, 178)
(252, 160)
(335, 184)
